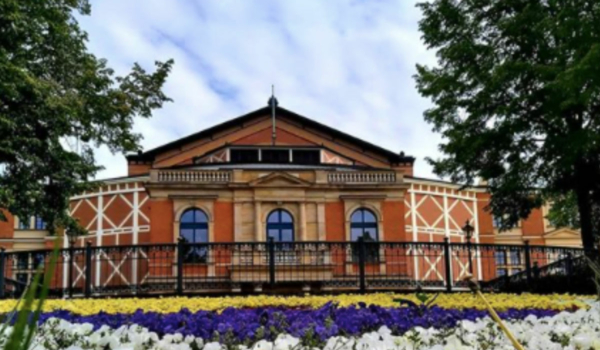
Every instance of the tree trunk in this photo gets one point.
(584, 204)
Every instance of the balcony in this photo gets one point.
(191, 176)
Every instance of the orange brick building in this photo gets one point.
(294, 179)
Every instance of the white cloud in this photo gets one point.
(348, 64)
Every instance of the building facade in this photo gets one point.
(288, 178)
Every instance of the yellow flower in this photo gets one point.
(500, 302)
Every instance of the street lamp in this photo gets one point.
(72, 239)
(468, 231)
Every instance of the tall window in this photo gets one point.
(363, 223)
(40, 224)
(24, 224)
(500, 257)
(496, 221)
(193, 229)
(515, 257)
(280, 226)
(508, 262)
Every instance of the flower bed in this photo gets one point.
(500, 302)
(578, 330)
(247, 325)
(340, 323)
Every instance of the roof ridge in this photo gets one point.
(392, 156)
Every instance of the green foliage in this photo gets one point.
(516, 96)
(32, 302)
(563, 211)
(595, 267)
(52, 91)
(425, 299)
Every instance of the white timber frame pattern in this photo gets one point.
(132, 195)
(442, 224)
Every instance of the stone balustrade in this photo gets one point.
(225, 176)
(361, 177)
(194, 176)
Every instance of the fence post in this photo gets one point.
(88, 269)
(271, 248)
(71, 268)
(2, 267)
(447, 263)
(180, 246)
(569, 267)
(528, 264)
(361, 264)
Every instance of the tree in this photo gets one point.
(564, 212)
(52, 90)
(516, 96)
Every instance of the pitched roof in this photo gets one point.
(336, 134)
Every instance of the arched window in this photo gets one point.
(193, 229)
(363, 223)
(280, 226)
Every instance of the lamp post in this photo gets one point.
(468, 231)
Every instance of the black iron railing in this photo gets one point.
(290, 267)
(569, 274)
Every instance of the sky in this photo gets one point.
(348, 64)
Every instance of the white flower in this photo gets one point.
(127, 346)
(454, 343)
(370, 341)
(437, 347)
(83, 329)
(339, 343)
(154, 337)
(262, 345)
(104, 340)
(168, 338)
(582, 341)
(180, 346)
(562, 329)
(469, 326)
(285, 342)
(114, 343)
(384, 331)
(94, 338)
(213, 346)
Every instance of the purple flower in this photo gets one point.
(327, 321)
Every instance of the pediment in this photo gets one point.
(256, 129)
(563, 233)
(279, 179)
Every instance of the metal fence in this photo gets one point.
(270, 267)
(571, 274)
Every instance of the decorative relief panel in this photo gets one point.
(216, 157)
(328, 157)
